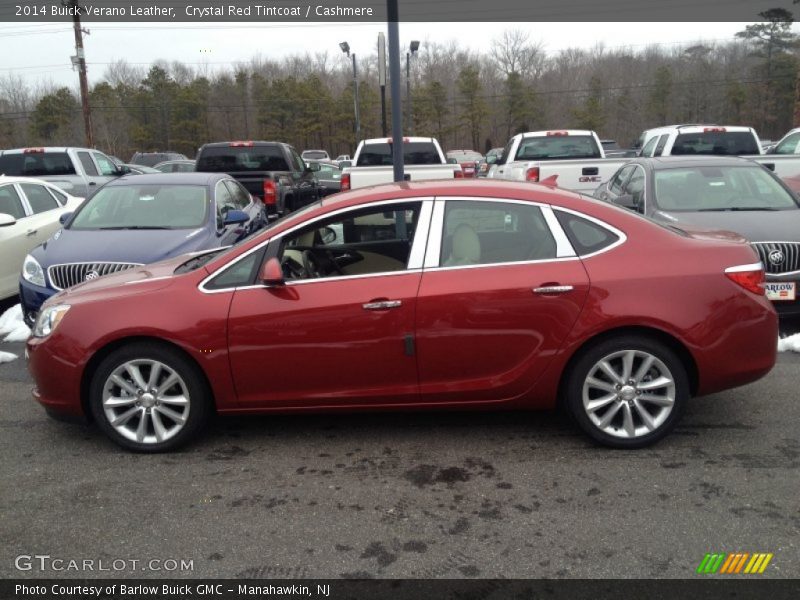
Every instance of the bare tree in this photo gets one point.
(513, 52)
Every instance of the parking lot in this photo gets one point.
(447, 495)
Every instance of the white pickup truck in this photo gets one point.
(577, 160)
(422, 157)
(574, 156)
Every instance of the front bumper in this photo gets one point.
(56, 371)
(32, 297)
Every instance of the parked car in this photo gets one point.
(446, 294)
(137, 220)
(732, 194)
(342, 157)
(315, 155)
(422, 157)
(468, 159)
(328, 175)
(29, 214)
(272, 171)
(489, 160)
(150, 159)
(77, 171)
(175, 166)
(788, 144)
(139, 169)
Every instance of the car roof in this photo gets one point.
(549, 132)
(406, 139)
(187, 178)
(42, 149)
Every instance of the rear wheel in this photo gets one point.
(149, 398)
(627, 392)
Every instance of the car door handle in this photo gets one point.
(92, 183)
(31, 232)
(552, 289)
(382, 304)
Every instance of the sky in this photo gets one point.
(40, 51)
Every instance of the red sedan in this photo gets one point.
(430, 295)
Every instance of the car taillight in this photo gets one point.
(458, 174)
(714, 130)
(270, 192)
(240, 144)
(750, 277)
(33, 150)
(345, 181)
(532, 174)
(558, 133)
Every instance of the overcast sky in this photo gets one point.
(40, 52)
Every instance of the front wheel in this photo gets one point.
(149, 398)
(627, 392)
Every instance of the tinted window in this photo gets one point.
(635, 186)
(720, 188)
(231, 159)
(225, 202)
(10, 204)
(38, 197)
(619, 179)
(315, 155)
(414, 153)
(585, 236)
(726, 143)
(553, 147)
(88, 165)
(242, 272)
(239, 196)
(494, 232)
(36, 164)
(144, 206)
(789, 145)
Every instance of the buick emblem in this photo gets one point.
(92, 275)
(776, 257)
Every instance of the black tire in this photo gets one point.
(199, 403)
(586, 364)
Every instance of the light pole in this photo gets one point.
(346, 49)
(412, 49)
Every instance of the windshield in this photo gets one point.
(719, 189)
(553, 147)
(723, 143)
(414, 153)
(144, 206)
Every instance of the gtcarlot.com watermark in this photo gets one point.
(44, 563)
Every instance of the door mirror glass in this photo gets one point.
(271, 273)
(65, 217)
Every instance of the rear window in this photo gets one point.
(150, 159)
(233, 159)
(414, 153)
(315, 155)
(586, 237)
(721, 143)
(36, 164)
(555, 147)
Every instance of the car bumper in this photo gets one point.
(57, 376)
(32, 297)
(787, 308)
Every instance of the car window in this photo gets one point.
(635, 187)
(242, 272)
(38, 197)
(10, 203)
(479, 233)
(239, 195)
(36, 164)
(225, 202)
(61, 197)
(585, 236)
(725, 143)
(649, 147)
(662, 141)
(183, 167)
(358, 242)
(789, 145)
(414, 153)
(298, 164)
(235, 158)
(87, 163)
(616, 182)
(554, 147)
(107, 167)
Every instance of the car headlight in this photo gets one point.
(32, 271)
(49, 319)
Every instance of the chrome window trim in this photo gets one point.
(503, 264)
(621, 237)
(759, 266)
(333, 213)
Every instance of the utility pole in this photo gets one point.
(394, 79)
(382, 79)
(80, 59)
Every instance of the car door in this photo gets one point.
(304, 180)
(15, 241)
(338, 339)
(45, 211)
(93, 177)
(500, 291)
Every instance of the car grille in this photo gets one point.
(779, 257)
(64, 276)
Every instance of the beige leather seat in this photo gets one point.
(466, 247)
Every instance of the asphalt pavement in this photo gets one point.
(446, 495)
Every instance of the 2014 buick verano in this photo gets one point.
(425, 295)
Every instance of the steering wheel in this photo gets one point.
(293, 269)
(319, 263)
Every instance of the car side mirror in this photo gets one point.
(123, 170)
(64, 217)
(627, 201)
(271, 272)
(235, 217)
(6, 220)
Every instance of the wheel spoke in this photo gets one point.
(123, 384)
(136, 375)
(168, 383)
(114, 402)
(141, 430)
(595, 405)
(177, 400)
(644, 368)
(627, 364)
(158, 426)
(609, 416)
(627, 420)
(647, 418)
(659, 382)
(606, 367)
(600, 384)
(178, 418)
(155, 373)
(657, 400)
(125, 417)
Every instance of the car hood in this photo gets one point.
(119, 245)
(756, 226)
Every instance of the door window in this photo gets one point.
(87, 163)
(39, 198)
(239, 196)
(648, 148)
(106, 166)
(789, 145)
(479, 233)
(225, 202)
(10, 204)
(615, 187)
(662, 141)
(635, 187)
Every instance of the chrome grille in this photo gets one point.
(789, 251)
(64, 276)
